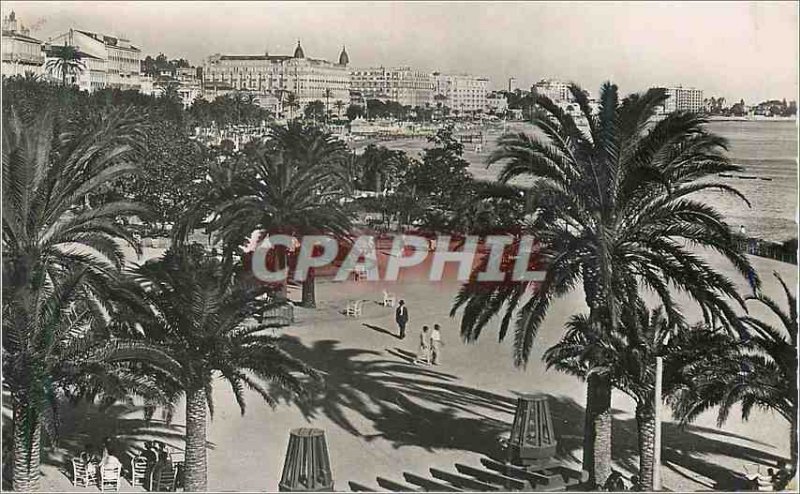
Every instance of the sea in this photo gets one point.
(765, 149)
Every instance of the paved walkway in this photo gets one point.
(383, 415)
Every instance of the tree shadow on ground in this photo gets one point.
(412, 405)
(380, 330)
(88, 424)
(686, 448)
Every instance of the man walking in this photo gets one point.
(401, 316)
(436, 345)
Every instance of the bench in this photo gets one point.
(504, 481)
(535, 478)
(356, 487)
(394, 486)
(463, 481)
(429, 484)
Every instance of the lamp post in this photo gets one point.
(657, 452)
(658, 412)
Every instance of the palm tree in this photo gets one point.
(203, 314)
(612, 213)
(339, 104)
(64, 353)
(379, 166)
(314, 110)
(300, 178)
(169, 91)
(757, 368)
(66, 60)
(47, 237)
(628, 359)
(292, 103)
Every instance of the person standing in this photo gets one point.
(436, 345)
(150, 454)
(401, 316)
(424, 355)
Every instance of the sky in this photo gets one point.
(739, 50)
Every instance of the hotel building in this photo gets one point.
(556, 90)
(308, 79)
(402, 85)
(92, 76)
(121, 61)
(496, 103)
(20, 52)
(462, 93)
(683, 99)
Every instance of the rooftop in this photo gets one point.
(108, 40)
(22, 37)
(271, 58)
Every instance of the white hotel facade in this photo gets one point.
(403, 85)
(275, 76)
(461, 92)
(683, 99)
(111, 61)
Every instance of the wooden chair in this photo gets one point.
(360, 273)
(354, 308)
(92, 469)
(178, 459)
(80, 472)
(164, 478)
(389, 299)
(109, 478)
(138, 470)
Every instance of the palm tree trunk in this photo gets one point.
(597, 429)
(646, 423)
(27, 455)
(309, 290)
(196, 467)
(793, 443)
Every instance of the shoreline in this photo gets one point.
(717, 118)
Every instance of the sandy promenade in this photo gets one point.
(384, 416)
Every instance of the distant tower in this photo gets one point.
(10, 22)
(512, 84)
(344, 59)
(298, 52)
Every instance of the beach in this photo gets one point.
(765, 149)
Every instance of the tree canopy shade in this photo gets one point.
(202, 313)
(58, 256)
(381, 168)
(230, 109)
(155, 66)
(172, 172)
(440, 186)
(298, 177)
(615, 214)
(628, 358)
(756, 369)
(354, 111)
(315, 111)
